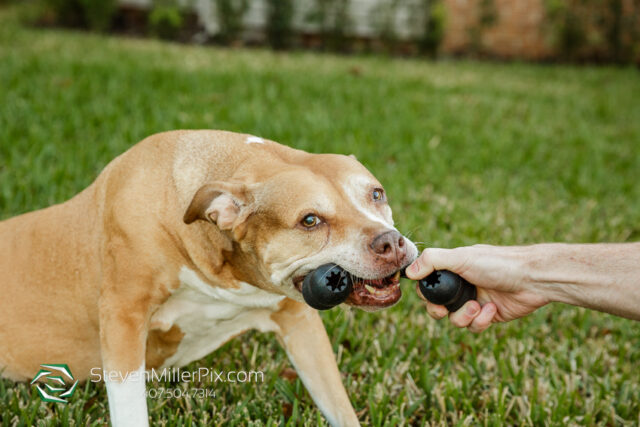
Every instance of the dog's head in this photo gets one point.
(285, 221)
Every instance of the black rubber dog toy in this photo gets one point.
(326, 286)
(330, 285)
(446, 288)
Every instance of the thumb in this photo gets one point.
(434, 259)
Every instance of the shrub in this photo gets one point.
(230, 14)
(607, 30)
(567, 30)
(98, 13)
(333, 19)
(622, 31)
(488, 15)
(65, 12)
(279, 23)
(94, 14)
(165, 19)
(383, 18)
(434, 16)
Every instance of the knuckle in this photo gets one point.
(426, 256)
(435, 316)
(457, 323)
(476, 328)
(441, 314)
(435, 311)
(459, 320)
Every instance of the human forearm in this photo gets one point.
(604, 277)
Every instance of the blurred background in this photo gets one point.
(488, 121)
(541, 30)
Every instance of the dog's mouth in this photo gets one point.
(377, 293)
(373, 293)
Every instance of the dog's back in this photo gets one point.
(51, 260)
(46, 284)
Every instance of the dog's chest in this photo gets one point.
(208, 316)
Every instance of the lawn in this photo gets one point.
(469, 153)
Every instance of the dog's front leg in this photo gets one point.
(305, 340)
(123, 340)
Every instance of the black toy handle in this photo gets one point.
(326, 286)
(444, 287)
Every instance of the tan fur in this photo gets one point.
(162, 345)
(304, 338)
(81, 280)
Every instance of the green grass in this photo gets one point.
(469, 153)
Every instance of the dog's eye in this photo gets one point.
(378, 194)
(310, 221)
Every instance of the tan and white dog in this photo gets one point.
(183, 242)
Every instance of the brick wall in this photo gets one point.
(523, 28)
(517, 30)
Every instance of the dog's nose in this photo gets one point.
(390, 246)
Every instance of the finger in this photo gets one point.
(436, 311)
(430, 259)
(419, 292)
(465, 315)
(484, 319)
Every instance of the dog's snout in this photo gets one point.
(390, 247)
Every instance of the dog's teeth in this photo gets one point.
(370, 289)
(397, 275)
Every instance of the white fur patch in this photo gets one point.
(127, 402)
(254, 140)
(355, 187)
(209, 316)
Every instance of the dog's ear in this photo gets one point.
(222, 203)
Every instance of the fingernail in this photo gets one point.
(471, 309)
(413, 268)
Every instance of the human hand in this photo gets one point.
(504, 293)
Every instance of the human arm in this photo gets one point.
(513, 281)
